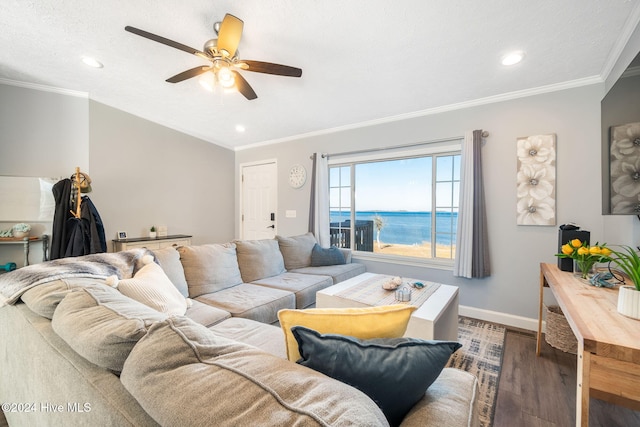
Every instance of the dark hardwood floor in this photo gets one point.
(541, 391)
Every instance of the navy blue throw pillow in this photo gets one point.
(326, 256)
(394, 372)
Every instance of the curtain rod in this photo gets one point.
(417, 144)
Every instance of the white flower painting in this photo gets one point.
(625, 169)
(536, 180)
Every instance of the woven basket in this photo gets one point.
(558, 333)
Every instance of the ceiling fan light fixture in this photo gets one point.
(512, 58)
(226, 77)
(208, 81)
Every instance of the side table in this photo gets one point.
(26, 242)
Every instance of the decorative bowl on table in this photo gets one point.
(21, 230)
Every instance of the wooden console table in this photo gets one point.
(608, 342)
(152, 243)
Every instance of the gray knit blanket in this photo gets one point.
(122, 264)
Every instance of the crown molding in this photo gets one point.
(44, 88)
(618, 48)
(437, 110)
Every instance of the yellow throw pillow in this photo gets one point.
(386, 321)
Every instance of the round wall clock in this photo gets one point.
(297, 176)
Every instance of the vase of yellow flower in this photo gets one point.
(584, 256)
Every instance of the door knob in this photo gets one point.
(271, 226)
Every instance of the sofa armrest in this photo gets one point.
(452, 400)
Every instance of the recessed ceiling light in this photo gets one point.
(512, 58)
(240, 128)
(91, 62)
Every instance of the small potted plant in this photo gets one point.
(628, 295)
(152, 232)
(21, 230)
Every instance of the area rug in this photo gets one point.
(481, 355)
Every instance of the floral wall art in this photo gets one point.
(625, 169)
(536, 180)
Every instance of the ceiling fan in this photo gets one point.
(223, 55)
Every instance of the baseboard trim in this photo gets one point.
(519, 322)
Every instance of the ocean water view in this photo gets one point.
(407, 228)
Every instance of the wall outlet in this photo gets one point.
(290, 214)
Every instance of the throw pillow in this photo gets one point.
(151, 286)
(385, 321)
(326, 256)
(259, 259)
(394, 373)
(296, 250)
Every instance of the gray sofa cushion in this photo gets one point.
(304, 286)
(251, 301)
(224, 382)
(259, 259)
(339, 273)
(169, 260)
(296, 250)
(102, 325)
(206, 314)
(268, 338)
(44, 299)
(210, 268)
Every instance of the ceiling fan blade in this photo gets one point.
(188, 74)
(244, 87)
(270, 68)
(166, 41)
(230, 34)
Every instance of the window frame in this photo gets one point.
(435, 149)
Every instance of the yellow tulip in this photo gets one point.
(595, 250)
(583, 251)
(605, 251)
(567, 249)
(576, 243)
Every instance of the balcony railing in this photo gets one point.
(340, 235)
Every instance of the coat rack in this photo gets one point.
(80, 181)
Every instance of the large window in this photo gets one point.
(400, 206)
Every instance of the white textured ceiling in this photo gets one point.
(362, 60)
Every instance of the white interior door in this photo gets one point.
(259, 200)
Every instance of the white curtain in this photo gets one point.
(319, 205)
(472, 248)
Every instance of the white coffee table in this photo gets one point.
(435, 319)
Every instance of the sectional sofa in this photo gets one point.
(191, 347)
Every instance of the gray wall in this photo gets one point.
(573, 114)
(143, 173)
(42, 133)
